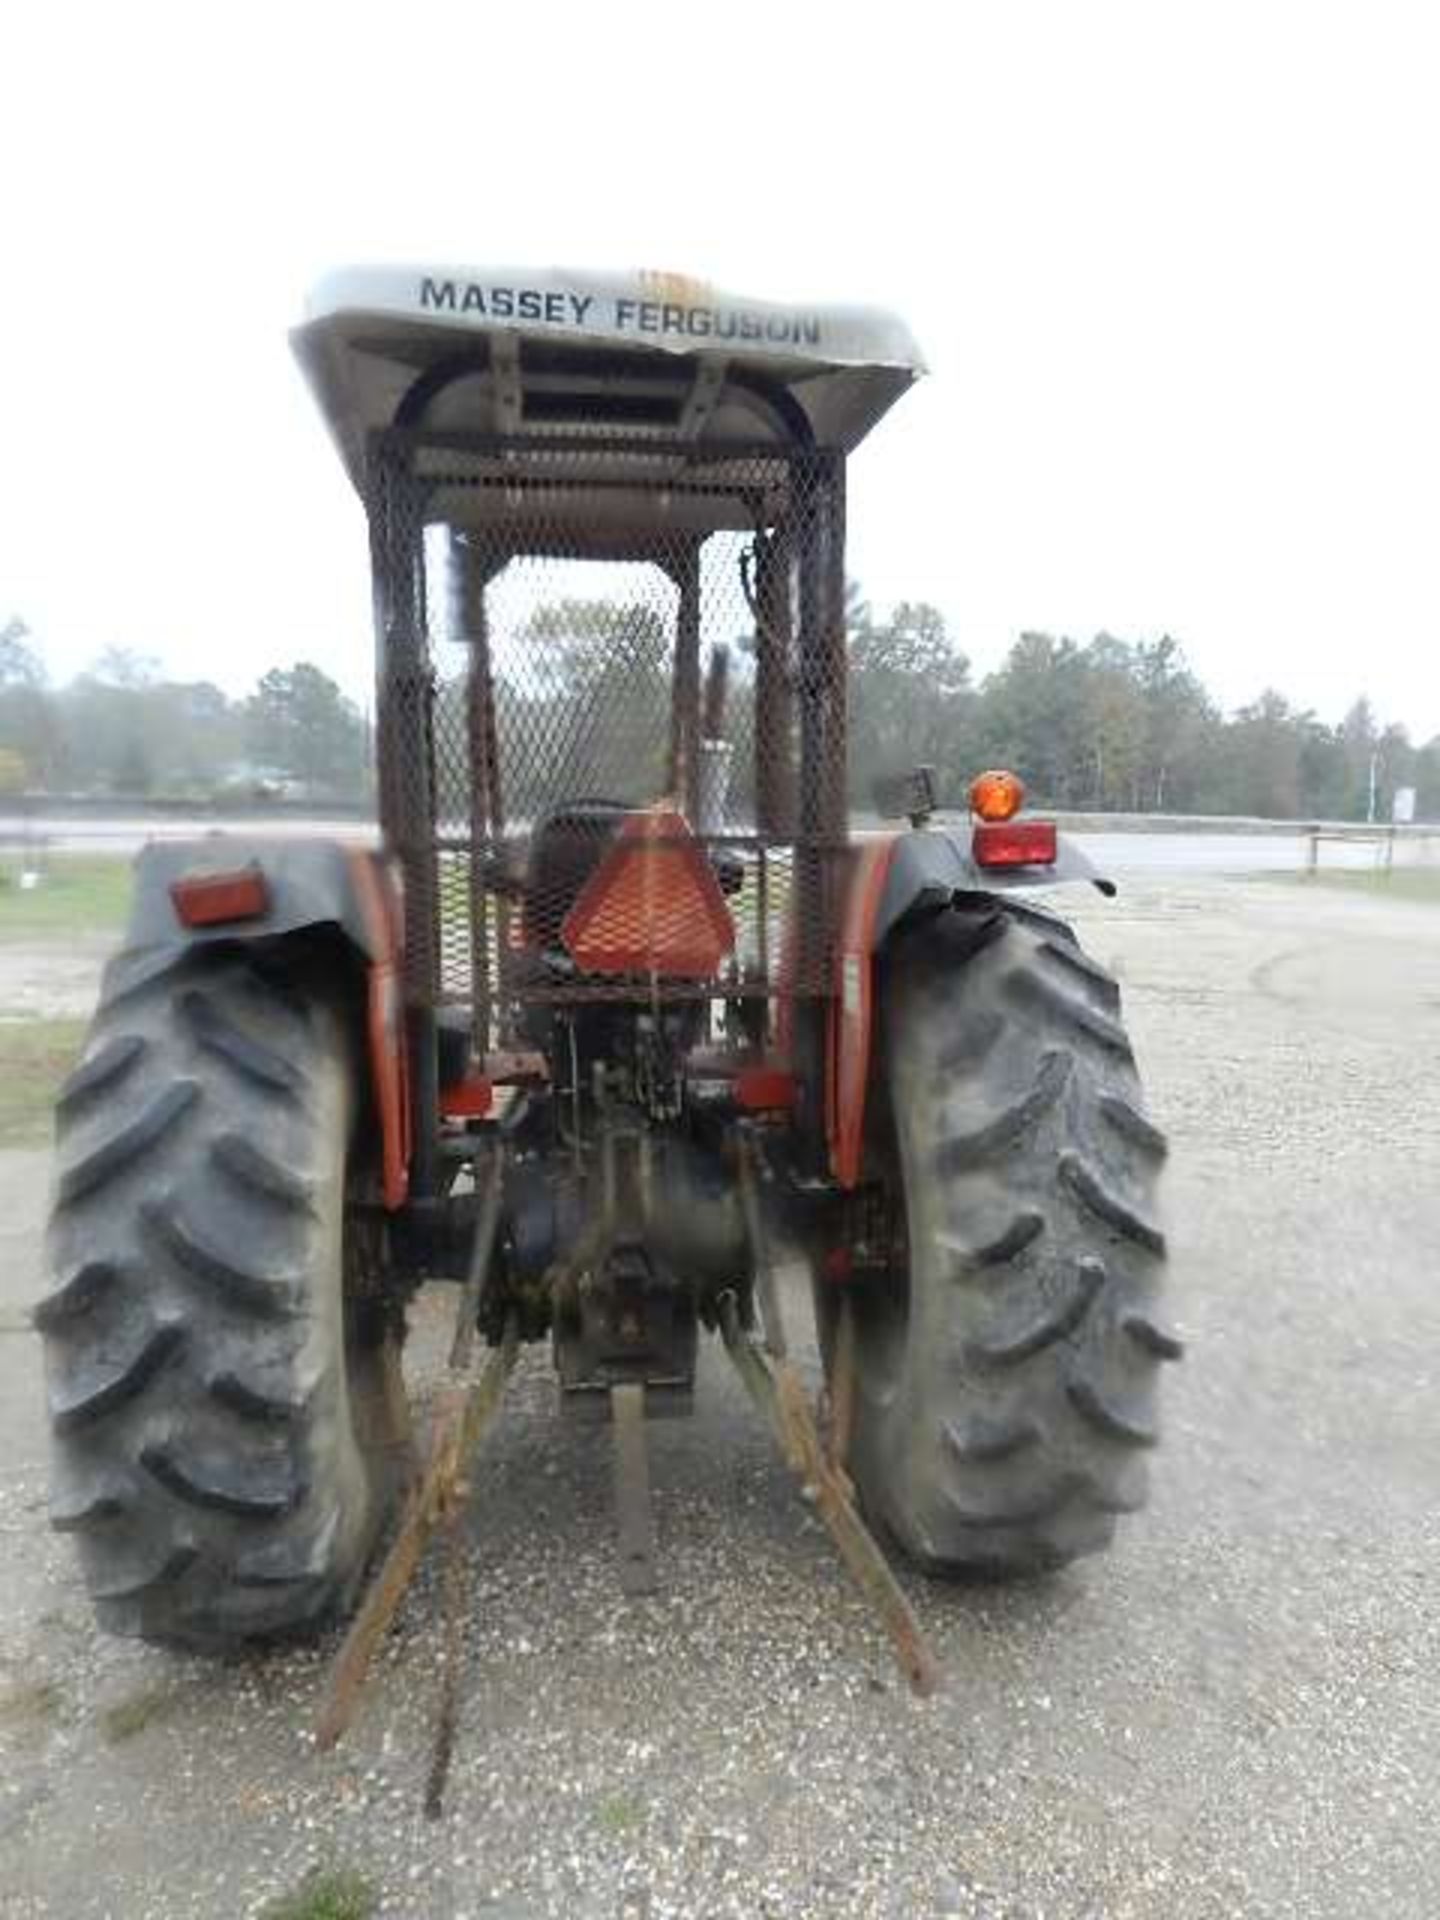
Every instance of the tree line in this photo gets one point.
(123, 729)
(1108, 725)
(1113, 726)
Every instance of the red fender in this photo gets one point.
(385, 1025)
(852, 1010)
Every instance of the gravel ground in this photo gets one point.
(49, 983)
(1235, 1712)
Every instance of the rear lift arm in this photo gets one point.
(472, 1402)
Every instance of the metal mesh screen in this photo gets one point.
(596, 644)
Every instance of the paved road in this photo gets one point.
(126, 834)
(1137, 854)
(1117, 853)
(1235, 1713)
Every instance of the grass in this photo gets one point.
(76, 894)
(130, 1716)
(338, 1895)
(618, 1814)
(1401, 883)
(35, 1056)
(32, 1703)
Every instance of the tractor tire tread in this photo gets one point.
(105, 1158)
(208, 1400)
(1005, 1427)
(968, 1149)
(101, 1391)
(261, 1173)
(220, 1034)
(1069, 957)
(74, 1295)
(1055, 1321)
(1041, 996)
(1133, 1125)
(100, 1069)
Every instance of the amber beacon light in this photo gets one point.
(996, 794)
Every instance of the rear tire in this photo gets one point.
(211, 1389)
(1006, 1366)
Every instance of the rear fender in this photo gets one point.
(312, 886)
(896, 877)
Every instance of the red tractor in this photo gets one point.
(622, 1002)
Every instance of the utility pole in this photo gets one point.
(1374, 772)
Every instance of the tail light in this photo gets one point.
(766, 1090)
(653, 905)
(1015, 843)
(469, 1099)
(214, 898)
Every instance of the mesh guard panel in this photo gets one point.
(554, 613)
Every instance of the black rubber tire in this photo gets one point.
(214, 1399)
(1006, 1369)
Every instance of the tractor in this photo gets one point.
(625, 1012)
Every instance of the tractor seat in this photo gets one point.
(567, 846)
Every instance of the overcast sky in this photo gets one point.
(1174, 266)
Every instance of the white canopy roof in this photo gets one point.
(558, 346)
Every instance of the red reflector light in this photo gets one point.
(469, 1099)
(653, 905)
(838, 1265)
(1015, 843)
(212, 899)
(765, 1089)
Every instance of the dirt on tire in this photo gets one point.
(208, 1393)
(1006, 1370)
